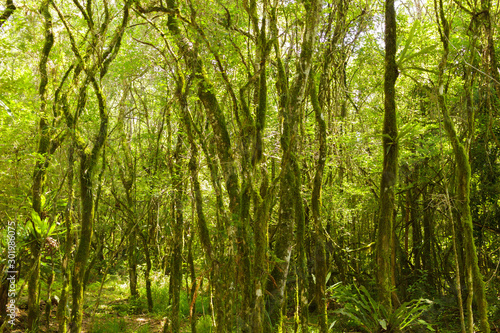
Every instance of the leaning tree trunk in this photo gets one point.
(95, 67)
(474, 278)
(88, 160)
(390, 164)
(216, 118)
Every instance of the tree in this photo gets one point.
(234, 153)
(474, 278)
(93, 73)
(385, 231)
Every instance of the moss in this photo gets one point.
(390, 163)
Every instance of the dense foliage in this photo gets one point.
(241, 166)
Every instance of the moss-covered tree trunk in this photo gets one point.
(474, 278)
(94, 69)
(127, 176)
(222, 143)
(428, 241)
(320, 239)
(88, 161)
(390, 163)
(62, 315)
(177, 238)
(39, 174)
(291, 212)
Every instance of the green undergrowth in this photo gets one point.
(351, 309)
(116, 309)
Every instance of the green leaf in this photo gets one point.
(383, 323)
(51, 229)
(42, 201)
(416, 54)
(426, 324)
(35, 217)
(328, 277)
(405, 129)
(401, 55)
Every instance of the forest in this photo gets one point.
(249, 166)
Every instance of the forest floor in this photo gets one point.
(111, 310)
(109, 319)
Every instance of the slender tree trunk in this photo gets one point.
(320, 253)
(428, 241)
(390, 164)
(194, 287)
(82, 253)
(457, 267)
(88, 161)
(147, 271)
(216, 118)
(127, 175)
(40, 173)
(291, 207)
(89, 155)
(176, 272)
(473, 275)
(415, 220)
(62, 315)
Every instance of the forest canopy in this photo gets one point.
(249, 166)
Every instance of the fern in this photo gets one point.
(371, 316)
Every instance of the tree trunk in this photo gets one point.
(89, 151)
(176, 272)
(291, 208)
(62, 315)
(428, 241)
(320, 253)
(39, 174)
(127, 176)
(390, 163)
(473, 275)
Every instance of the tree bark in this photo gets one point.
(44, 146)
(127, 176)
(62, 315)
(474, 278)
(320, 252)
(291, 208)
(178, 242)
(390, 163)
(94, 72)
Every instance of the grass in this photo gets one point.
(116, 325)
(204, 324)
(115, 302)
